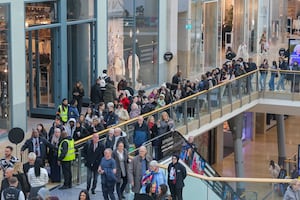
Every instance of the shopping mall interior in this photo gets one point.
(49, 45)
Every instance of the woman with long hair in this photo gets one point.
(274, 169)
(162, 192)
(121, 157)
(55, 139)
(42, 131)
(37, 178)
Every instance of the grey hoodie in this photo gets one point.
(290, 194)
(70, 130)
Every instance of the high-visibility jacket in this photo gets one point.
(63, 113)
(71, 150)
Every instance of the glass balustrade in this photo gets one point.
(197, 110)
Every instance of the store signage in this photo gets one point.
(168, 56)
(188, 26)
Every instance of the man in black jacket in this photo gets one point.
(96, 95)
(38, 145)
(5, 182)
(12, 192)
(93, 152)
(176, 176)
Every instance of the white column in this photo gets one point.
(101, 35)
(17, 75)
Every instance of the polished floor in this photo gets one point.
(259, 152)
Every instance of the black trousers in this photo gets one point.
(108, 191)
(66, 170)
(92, 174)
(121, 187)
(176, 193)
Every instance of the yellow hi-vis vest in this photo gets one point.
(71, 150)
(63, 114)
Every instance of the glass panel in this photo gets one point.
(4, 68)
(40, 66)
(40, 13)
(80, 9)
(196, 38)
(80, 52)
(132, 42)
(215, 98)
(210, 33)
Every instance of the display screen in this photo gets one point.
(294, 50)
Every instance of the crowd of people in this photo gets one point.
(52, 152)
(111, 163)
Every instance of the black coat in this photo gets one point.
(96, 95)
(5, 184)
(93, 158)
(180, 174)
(44, 144)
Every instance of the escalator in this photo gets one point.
(172, 143)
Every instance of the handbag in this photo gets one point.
(22, 178)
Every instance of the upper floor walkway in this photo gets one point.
(207, 109)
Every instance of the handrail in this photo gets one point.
(227, 82)
(78, 142)
(233, 179)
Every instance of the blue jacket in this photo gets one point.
(141, 134)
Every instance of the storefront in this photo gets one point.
(49, 45)
(133, 42)
(60, 50)
(200, 23)
(5, 62)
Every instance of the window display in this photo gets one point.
(40, 13)
(133, 30)
(4, 68)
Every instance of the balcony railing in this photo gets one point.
(206, 106)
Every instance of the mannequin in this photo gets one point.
(243, 51)
(119, 67)
(136, 70)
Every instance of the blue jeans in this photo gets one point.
(281, 82)
(262, 81)
(272, 82)
(91, 174)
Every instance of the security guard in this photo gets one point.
(62, 111)
(66, 154)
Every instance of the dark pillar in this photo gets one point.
(281, 139)
(236, 127)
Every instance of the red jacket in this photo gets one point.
(125, 102)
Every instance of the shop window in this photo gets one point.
(40, 13)
(80, 9)
(4, 68)
(132, 42)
